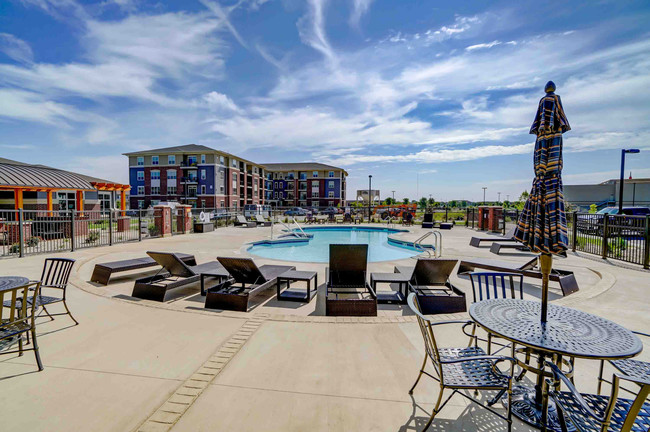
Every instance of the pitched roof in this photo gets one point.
(186, 148)
(301, 166)
(14, 173)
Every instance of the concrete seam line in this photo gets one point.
(176, 405)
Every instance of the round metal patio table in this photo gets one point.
(568, 332)
(10, 282)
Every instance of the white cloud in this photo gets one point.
(359, 8)
(16, 49)
(219, 102)
(311, 28)
(484, 45)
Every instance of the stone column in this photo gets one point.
(163, 219)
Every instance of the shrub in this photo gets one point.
(33, 241)
(93, 236)
(14, 248)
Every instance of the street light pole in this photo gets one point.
(369, 196)
(484, 195)
(393, 197)
(499, 199)
(622, 179)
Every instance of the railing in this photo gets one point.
(619, 237)
(437, 244)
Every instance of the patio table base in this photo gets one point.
(526, 410)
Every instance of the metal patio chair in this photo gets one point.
(55, 276)
(627, 367)
(17, 318)
(461, 369)
(596, 413)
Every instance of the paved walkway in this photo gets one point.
(140, 365)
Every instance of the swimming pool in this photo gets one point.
(317, 248)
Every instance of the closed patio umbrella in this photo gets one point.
(542, 223)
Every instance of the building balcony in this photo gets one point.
(188, 165)
(189, 180)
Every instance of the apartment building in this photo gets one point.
(196, 175)
(305, 184)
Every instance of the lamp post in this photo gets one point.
(622, 180)
(369, 196)
(499, 197)
(484, 194)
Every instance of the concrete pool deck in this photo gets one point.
(140, 365)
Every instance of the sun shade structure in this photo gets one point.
(542, 225)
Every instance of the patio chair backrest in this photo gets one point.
(172, 263)
(18, 316)
(243, 270)
(493, 285)
(432, 271)
(428, 217)
(56, 272)
(348, 265)
(430, 344)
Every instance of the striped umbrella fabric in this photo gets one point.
(542, 224)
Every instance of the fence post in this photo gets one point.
(574, 231)
(139, 224)
(72, 230)
(646, 251)
(605, 235)
(21, 233)
(110, 227)
(503, 215)
(184, 220)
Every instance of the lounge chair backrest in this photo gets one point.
(428, 217)
(432, 271)
(172, 263)
(348, 265)
(243, 270)
(510, 234)
(241, 219)
(529, 265)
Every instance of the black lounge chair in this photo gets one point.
(430, 282)
(509, 237)
(103, 271)
(428, 222)
(348, 291)
(241, 221)
(246, 281)
(174, 273)
(261, 221)
(566, 278)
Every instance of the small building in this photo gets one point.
(362, 196)
(636, 193)
(39, 187)
(305, 184)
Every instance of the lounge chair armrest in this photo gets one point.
(559, 376)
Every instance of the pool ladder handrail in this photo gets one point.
(290, 230)
(437, 245)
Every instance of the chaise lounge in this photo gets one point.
(175, 273)
(508, 238)
(566, 278)
(103, 271)
(246, 281)
(241, 221)
(428, 222)
(261, 221)
(348, 292)
(430, 283)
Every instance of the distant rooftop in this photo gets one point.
(632, 180)
(188, 148)
(301, 166)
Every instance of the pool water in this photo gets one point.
(317, 249)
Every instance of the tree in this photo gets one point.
(389, 201)
(432, 202)
(422, 203)
(406, 201)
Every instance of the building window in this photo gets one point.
(315, 174)
(222, 162)
(140, 161)
(191, 160)
(155, 175)
(330, 203)
(155, 202)
(276, 195)
(221, 189)
(234, 163)
(223, 203)
(171, 190)
(330, 194)
(140, 176)
(202, 189)
(331, 174)
(314, 194)
(290, 176)
(254, 170)
(202, 159)
(203, 175)
(171, 160)
(171, 174)
(303, 176)
(140, 204)
(155, 190)
(154, 160)
(140, 190)
(220, 175)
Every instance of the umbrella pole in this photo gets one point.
(545, 264)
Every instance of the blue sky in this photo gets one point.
(430, 97)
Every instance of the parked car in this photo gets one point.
(331, 211)
(296, 211)
(630, 211)
(252, 210)
(594, 224)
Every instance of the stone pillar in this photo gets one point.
(123, 223)
(482, 217)
(163, 220)
(184, 214)
(495, 215)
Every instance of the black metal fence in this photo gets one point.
(620, 237)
